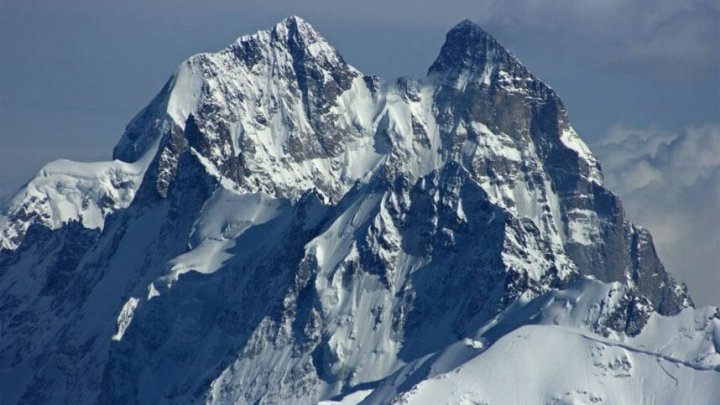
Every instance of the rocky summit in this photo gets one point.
(277, 227)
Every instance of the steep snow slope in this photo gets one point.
(286, 229)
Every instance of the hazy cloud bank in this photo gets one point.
(670, 183)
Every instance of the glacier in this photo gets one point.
(278, 227)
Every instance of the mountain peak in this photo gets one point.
(305, 45)
(468, 46)
(295, 26)
(299, 36)
(292, 33)
(467, 25)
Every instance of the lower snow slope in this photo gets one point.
(539, 364)
(546, 353)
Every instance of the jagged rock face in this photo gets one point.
(281, 228)
(482, 85)
(265, 107)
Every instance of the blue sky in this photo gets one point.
(73, 73)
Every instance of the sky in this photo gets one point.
(640, 80)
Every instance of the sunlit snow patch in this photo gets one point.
(125, 317)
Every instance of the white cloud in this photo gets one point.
(670, 183)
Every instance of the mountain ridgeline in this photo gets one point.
(278, 227)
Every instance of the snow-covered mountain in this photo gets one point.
(278, 227)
